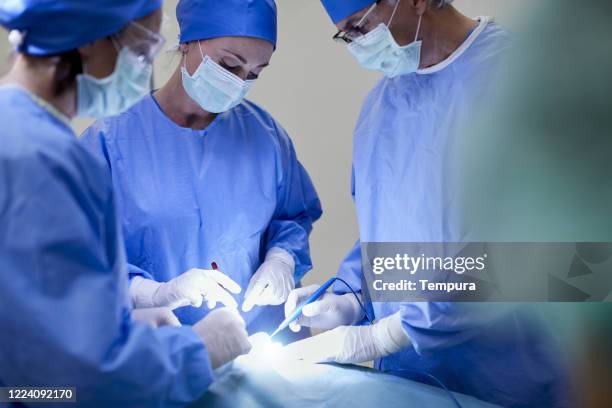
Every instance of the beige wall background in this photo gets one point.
(314, 89)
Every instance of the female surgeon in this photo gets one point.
(203, 176)
(64, 306)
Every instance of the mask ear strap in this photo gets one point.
(362, 19)
(185, 56)
(115, 42)
(393, 14)
(200, 47)
(416, 36)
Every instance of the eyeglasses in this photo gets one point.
(142, 41)
(348, 36)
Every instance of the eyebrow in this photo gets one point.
(240, 58)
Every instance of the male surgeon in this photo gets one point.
(436, 63)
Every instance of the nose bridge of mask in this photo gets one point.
(372, 39)
(110, 78)
(370, 44)
(223, 80)
(137, 74)
(127, 61)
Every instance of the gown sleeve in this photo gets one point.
(64, 279)
(430, 325)
(350, 269)
(93, 139)
(440, 325)
(297, 209)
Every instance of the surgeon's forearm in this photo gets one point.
(432, 325)
(299, 208)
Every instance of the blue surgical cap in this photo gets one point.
(52, 27)
(206, 19)
(338, 10)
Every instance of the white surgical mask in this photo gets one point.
(377, 50)
(129, 82)
(213, 87)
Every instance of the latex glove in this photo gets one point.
(272, 282)
(189, 288)
(328, 312)
(352, 344)
(155, 317)
(224, 335)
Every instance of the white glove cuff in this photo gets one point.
(389, 334)
(279, 254)
(142, 292)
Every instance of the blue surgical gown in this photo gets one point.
(403, 192)
(64, 310)
(226, 193)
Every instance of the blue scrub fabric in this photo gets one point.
(53, 27)
(338, 10)
(305, 385)
(63, 290)
(227, 194)
(403, 190)
(206, 19)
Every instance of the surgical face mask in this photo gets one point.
(213, 87)
(378, 51)
(129, 82)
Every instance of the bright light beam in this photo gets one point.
(263, 352)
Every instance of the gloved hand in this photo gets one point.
(352, 344)
(272, 282)
(328, 312)
(190, 288)
(224, 335)
(155, 317)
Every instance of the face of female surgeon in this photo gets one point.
(242, 56)
(101, 55)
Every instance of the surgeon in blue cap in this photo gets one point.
(205, 177)
(437, 63)
(65, 311)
